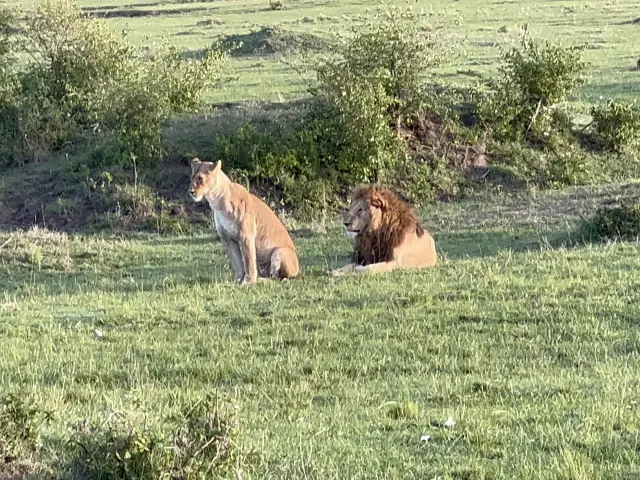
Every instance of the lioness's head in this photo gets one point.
(364, 213)
(204, 178)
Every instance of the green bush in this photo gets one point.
(522, 104)
(371, 82)
(616, 126)
(20, 423)
(82, 82)
(611, 222)
(200, 446)
(7, 55)
(366, 87)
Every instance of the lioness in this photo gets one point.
(255, 239)
(387, 233)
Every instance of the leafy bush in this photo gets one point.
(7, 54)
(372, 81)
(364, 89)
(616, 126)
(200, 446)
(82, 81)
(617, 221)
(351, 125)
(533, 79)
(396, 50)
(20, 422)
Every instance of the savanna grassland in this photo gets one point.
(130, 354)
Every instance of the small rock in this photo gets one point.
(425, 438)
(98, 334)
(450, 422)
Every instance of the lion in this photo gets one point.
(256, 241)
(387, 233)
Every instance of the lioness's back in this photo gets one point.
(270, 228)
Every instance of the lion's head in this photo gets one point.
(204, 178)
(361, 216)
(378, 220)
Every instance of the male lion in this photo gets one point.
(387, 233)
(255, 239)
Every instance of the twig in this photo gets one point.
(6, 243)
(535, 115)
(586, 126)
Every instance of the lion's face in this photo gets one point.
(358, 217)
(204, 178)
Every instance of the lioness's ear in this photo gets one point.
(218, 166)
(195, 162)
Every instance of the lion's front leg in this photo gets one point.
(376, 267)
(344, 270)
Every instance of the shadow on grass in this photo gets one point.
(481, 244)
(212, 267)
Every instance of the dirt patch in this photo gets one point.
(209, 22)
(131, 13)
(273, 40)
(427, 136)
(59, 199)
(114, 7)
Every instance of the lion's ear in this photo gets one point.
(195, 163)
(218, 166)
(378, 201)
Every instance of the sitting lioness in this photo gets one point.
(387, 233)
(255, 239)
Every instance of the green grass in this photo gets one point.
(530, 345)
(527, 338)
(472, 32)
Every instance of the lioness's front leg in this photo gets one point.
(236, 260)
(235, 257)
(248, 250)
(344, 270)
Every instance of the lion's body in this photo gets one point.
(257, 242)
(387, 233)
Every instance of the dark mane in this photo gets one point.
(398, 218)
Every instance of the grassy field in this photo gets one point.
(471, 32)
(530, 345)
(524, 334)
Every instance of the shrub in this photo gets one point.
(533, 79)
(374, 79)
(351, 125)
(7, 54)
(364, 89)
(20, 422)
(396, 50)
(82, 81)
(616, 126)
(200, 446)
(614, 221)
